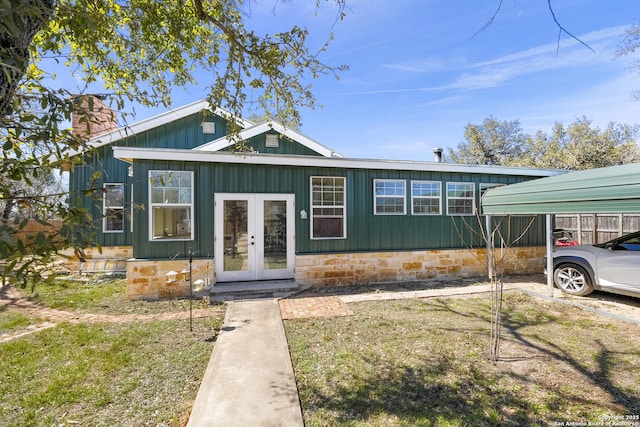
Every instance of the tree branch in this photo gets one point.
(561, 30)
(21, 22)
(490, 21)
(230, 33)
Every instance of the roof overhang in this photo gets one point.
(163, 118)
(614, 189)
(130, 154)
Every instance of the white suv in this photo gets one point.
(613, 266)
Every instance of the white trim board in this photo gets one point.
(129, 154)
(161, 119)
(224, 142)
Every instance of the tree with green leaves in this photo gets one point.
(139, 51)
(579, 145)
(630, 45)
(494, 142)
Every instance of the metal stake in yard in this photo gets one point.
(189, 272)
(190, 292)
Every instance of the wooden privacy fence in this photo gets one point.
(590, 229)
(28, 233)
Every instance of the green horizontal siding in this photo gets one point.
(365, 231)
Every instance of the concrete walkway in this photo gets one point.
(249, 380)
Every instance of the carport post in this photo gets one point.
(549, 255)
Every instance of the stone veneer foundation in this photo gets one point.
(108, 252)
(146, 279)
(385, 267)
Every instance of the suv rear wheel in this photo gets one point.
(572, 279)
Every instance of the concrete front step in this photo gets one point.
(253, 290)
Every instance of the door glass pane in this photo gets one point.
(275, 234)
(235, 235)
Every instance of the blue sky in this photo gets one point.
(419, 73)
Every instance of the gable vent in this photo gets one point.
(208, 127)
(272, 140)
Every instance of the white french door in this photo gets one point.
(254, 236)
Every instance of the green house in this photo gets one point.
(289, 209)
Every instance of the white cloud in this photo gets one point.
(601, 41)
(499, 71)
(543, 58)
(420, 66)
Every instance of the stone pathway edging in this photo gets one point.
(299, 308)
(334, 306)
(427, 293)
(9, 297)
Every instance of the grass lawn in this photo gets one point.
(424, 362)
(138, 373)
(104, 297)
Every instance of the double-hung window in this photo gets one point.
(328, 207)
(113, 208)
(171, 202)
(460, 198)
(484, 187)
(426, 198)
(389, 196)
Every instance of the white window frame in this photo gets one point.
(106, 210)
(316, 208)
(376, 196)
(484, 186)
(171, 205)
(472, 198)
(438, 197)
(131, 211)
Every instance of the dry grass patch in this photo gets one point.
(103, 296)
(424, 362)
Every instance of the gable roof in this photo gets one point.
(615, 189)
(250, 132)
(160, 119)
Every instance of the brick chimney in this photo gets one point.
(98, 118)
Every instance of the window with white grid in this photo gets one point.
(460, 198)
(328, 207)
(113, 208)
(171, 202)
(389, 197)
(426, 197)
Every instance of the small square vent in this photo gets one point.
(272, 140)
(208, 127)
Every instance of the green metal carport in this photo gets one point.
(614, 189)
